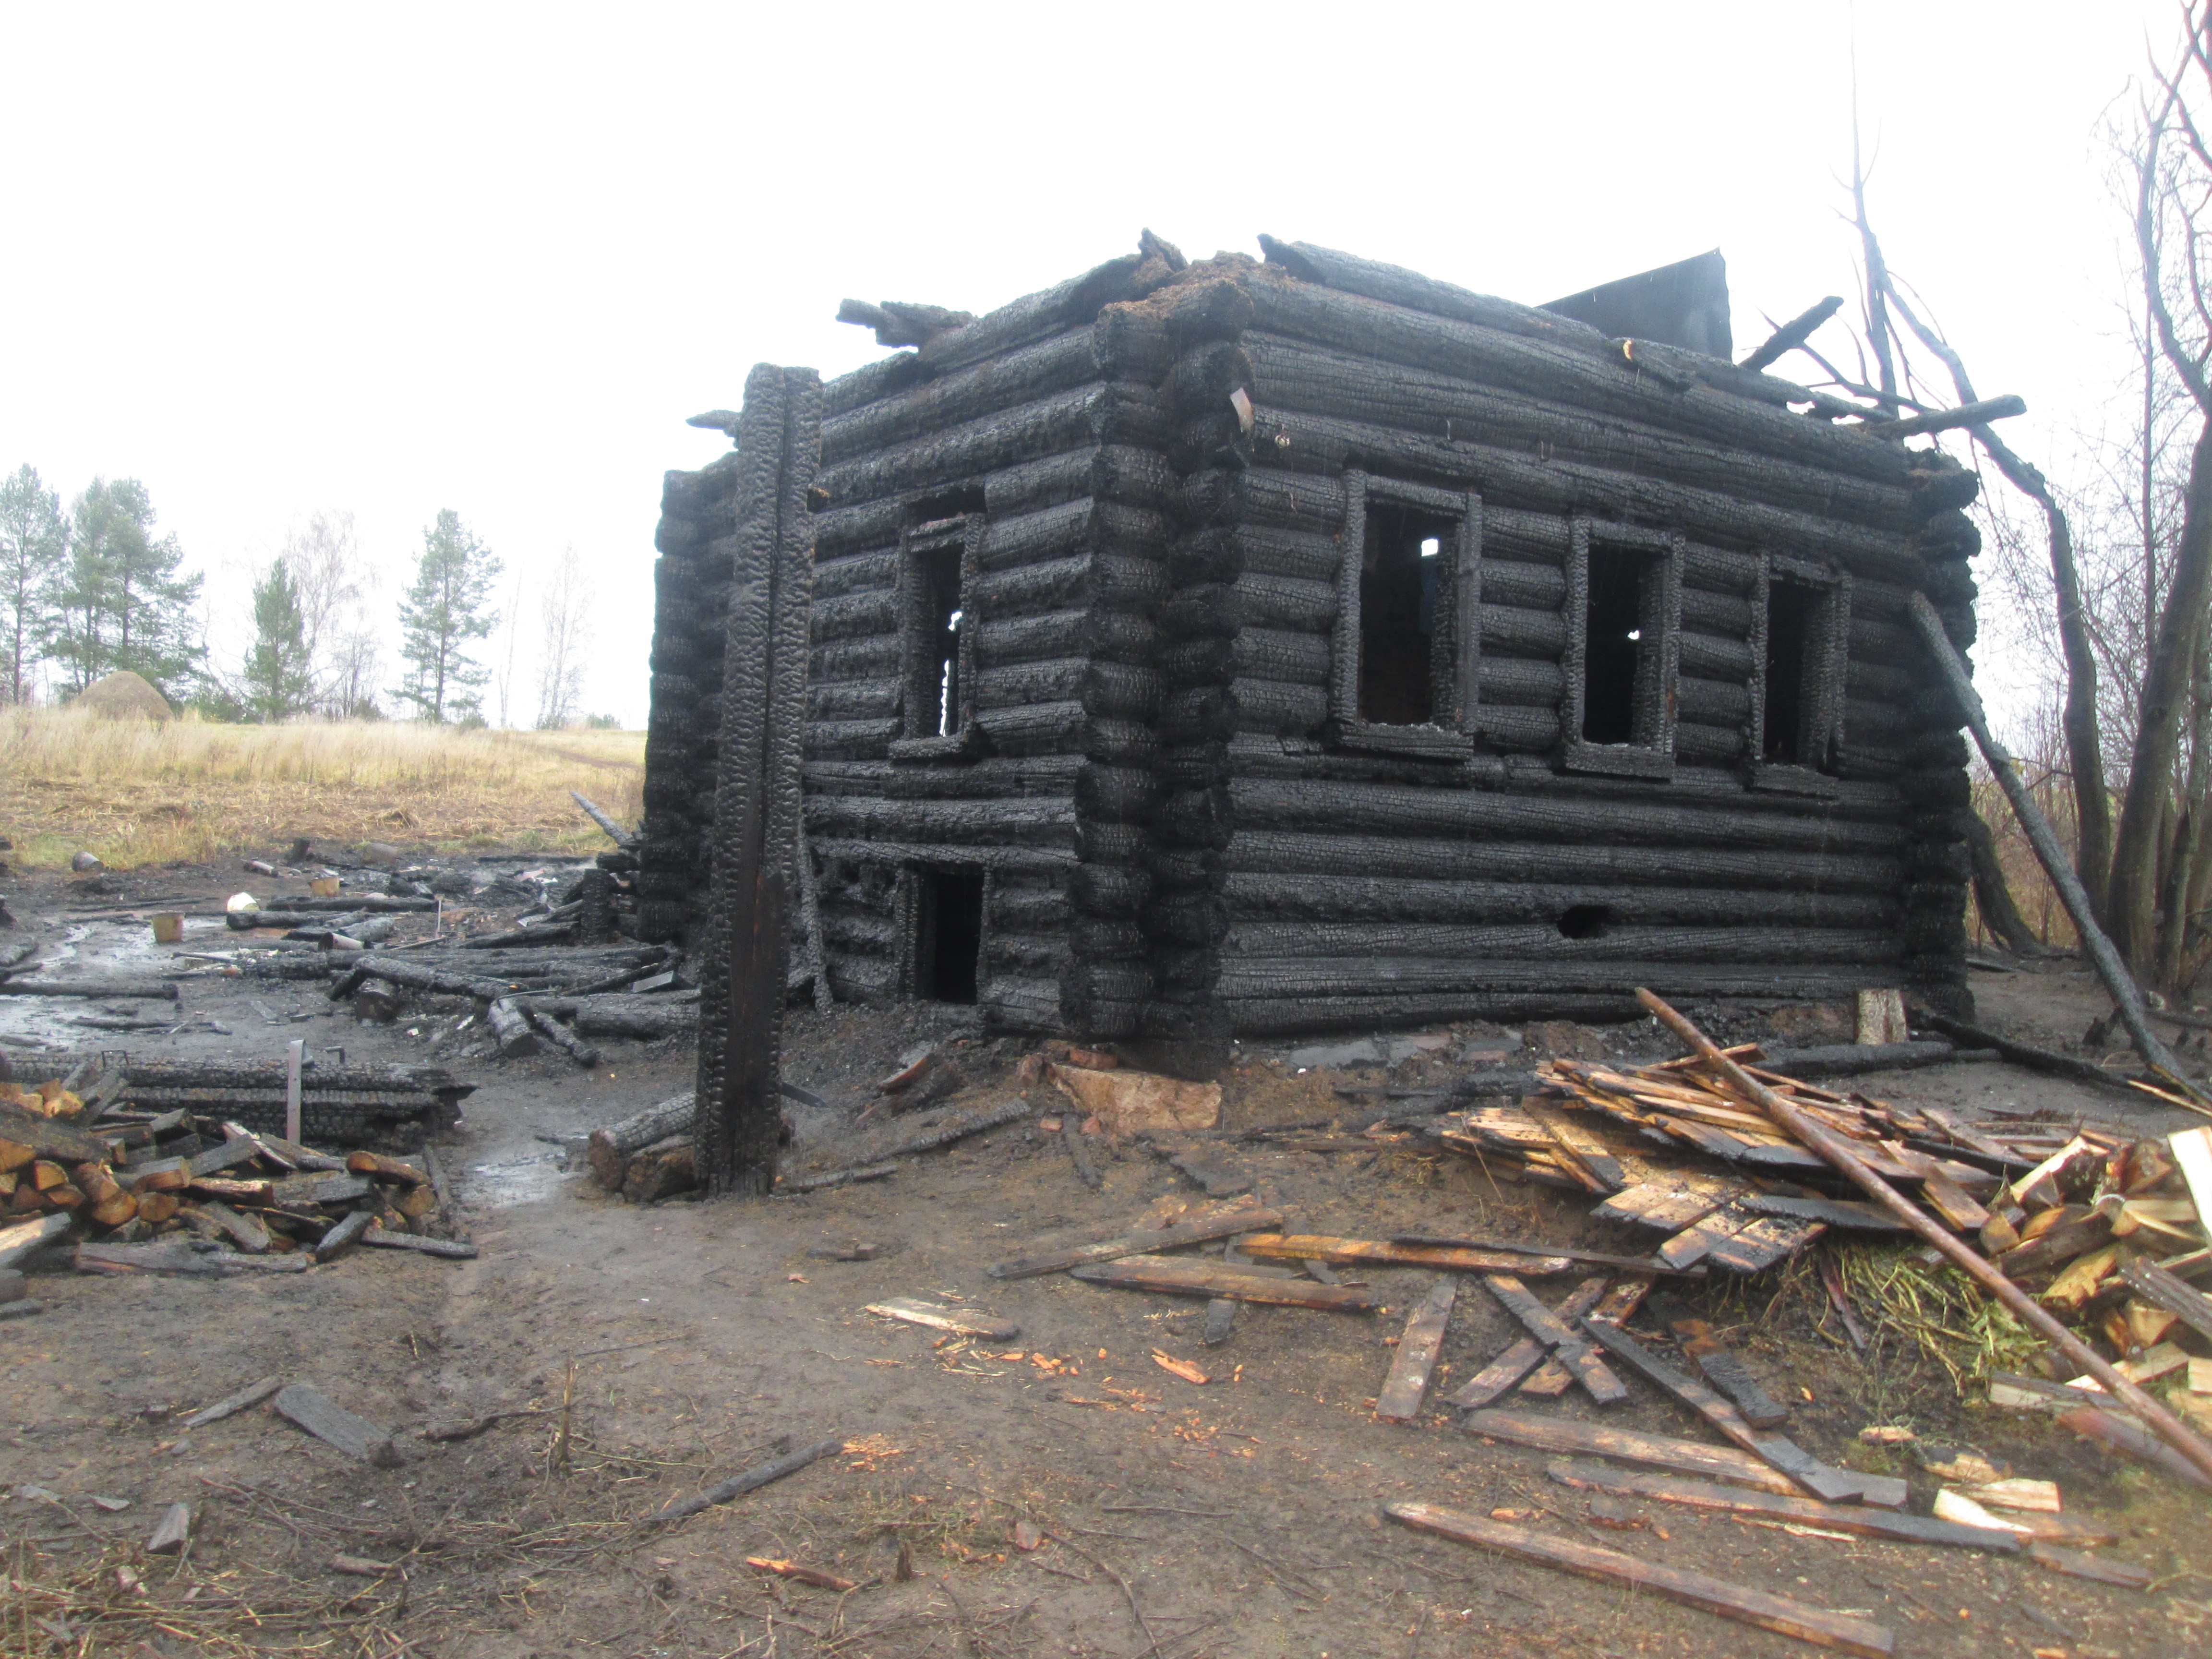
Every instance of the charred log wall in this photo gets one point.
(1361, 889)
(1144, 474)
(1043, 429)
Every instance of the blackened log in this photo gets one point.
(1565, 817)
(1944, 420)
(1993, 894)
(1357, 980)
(2127, 998)
(1303, 379)
(1568, 486)
(2022, 1054)
(1377, 897)
(154, 990)
(1055, 364)
(742, 971)
(1793, 333)
(1065, 305)
(561, 1037)
(622, 837)
(1114, 413)
(1484, 343)
(511, 1028)
(1283, 942)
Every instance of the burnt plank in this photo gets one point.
(1696, 1589)
(1410, 1366)
(1561, 1338)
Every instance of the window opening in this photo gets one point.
(948, 934)
(937, 575)
(1401, 578)
(1793, 619)
(1616, 649)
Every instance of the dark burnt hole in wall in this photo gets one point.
(1402, 584)
(949, 941)
(937, 575)
(1615, 643)
(1585, 921)
(1792, 616)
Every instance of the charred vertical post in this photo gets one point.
(756, 833)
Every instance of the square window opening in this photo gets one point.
(1620, 644)
(1405, 576)
(936, 687)
(948, 934)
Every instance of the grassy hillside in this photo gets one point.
(136, 792)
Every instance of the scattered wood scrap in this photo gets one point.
(1143, 1242)
(1180, 1276)
(1853, 1518)
(334, 1425)
(739, 1484)
(1696, 1589)
(1423, 1340)
(961, 1321)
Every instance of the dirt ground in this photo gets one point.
(658, 1350)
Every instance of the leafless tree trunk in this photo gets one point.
(2173, 180)
(564, 617)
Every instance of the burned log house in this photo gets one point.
(1241, 648)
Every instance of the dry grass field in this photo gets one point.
(137, 792)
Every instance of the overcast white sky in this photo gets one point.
(391, 259)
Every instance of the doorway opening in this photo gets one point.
(948, 934)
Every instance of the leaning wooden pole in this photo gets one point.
(1840, 1152)
(2102, 955)
(756, 836)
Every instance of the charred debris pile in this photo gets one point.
(544, 950)
(165, 1167)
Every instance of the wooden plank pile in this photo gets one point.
(149, 1187)
(2079, 1218)
(1675, 1147)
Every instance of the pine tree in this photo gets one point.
(120, 601)
(279, 682)
(444, 610)
(33, 543)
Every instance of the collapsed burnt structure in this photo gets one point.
(1242, 647)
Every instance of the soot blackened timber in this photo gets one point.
(757, 818)
(1098, 573)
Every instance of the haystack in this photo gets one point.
(123, 696)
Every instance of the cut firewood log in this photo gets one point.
(391, 1169)
(609, 1149)
(663, 1170)
(379, 1001)
(512, 1030)
(339, 1238)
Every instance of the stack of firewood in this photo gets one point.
(131, 1178)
